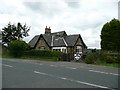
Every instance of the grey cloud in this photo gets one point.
(35, 6)
(73, 4)
(85, 25)
(44, 8)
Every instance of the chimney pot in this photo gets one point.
(47, 30)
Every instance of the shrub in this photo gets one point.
(90, 59)
(17, 48)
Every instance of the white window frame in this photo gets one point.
(61, 48)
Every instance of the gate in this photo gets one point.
(67, 57)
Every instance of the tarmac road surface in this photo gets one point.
(41, 74)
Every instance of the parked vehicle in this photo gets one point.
(77, 56)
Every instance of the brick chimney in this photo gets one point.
(47, 30)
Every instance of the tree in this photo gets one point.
(14, 32)
(18, 47)
(110, 36)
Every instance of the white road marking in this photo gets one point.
(36, 63)
(40, 73)
(6, 65)
(103, 72)
(53, 65)
(63, 78)
(40, 64)
(92, 84)
(71, 68)
(72, 80)
(24, 61)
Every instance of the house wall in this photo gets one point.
(73, 49)
(79, 45)
(70, 49)
(42, 45)
(78, 42)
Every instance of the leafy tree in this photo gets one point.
(110, 36)
(17, 47)
(14, 32)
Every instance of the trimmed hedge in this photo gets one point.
(105, 57)
(42, 53)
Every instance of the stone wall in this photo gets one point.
(42, 44)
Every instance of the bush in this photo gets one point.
(17, 48)
(90, 59)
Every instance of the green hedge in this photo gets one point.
(102, 56)
(42, 53)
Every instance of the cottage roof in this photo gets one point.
(34, 41)
(48, 38)
(57, 39)
(71, 39)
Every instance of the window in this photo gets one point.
(78, 48)
(64, 50)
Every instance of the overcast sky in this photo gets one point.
(85, 17)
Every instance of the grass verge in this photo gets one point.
(51, 59)
(117, 65)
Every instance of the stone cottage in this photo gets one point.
(58, 41)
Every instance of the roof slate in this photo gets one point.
(71, 39)
(58, 41)
(48, 38)
(34, 41)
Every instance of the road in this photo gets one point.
(40, 74)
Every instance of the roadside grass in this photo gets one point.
(117, 65)
(49, 59)
(6, 55)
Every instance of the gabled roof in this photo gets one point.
(71, 39)
(48, 38)
(34, 41)
(57, 39)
